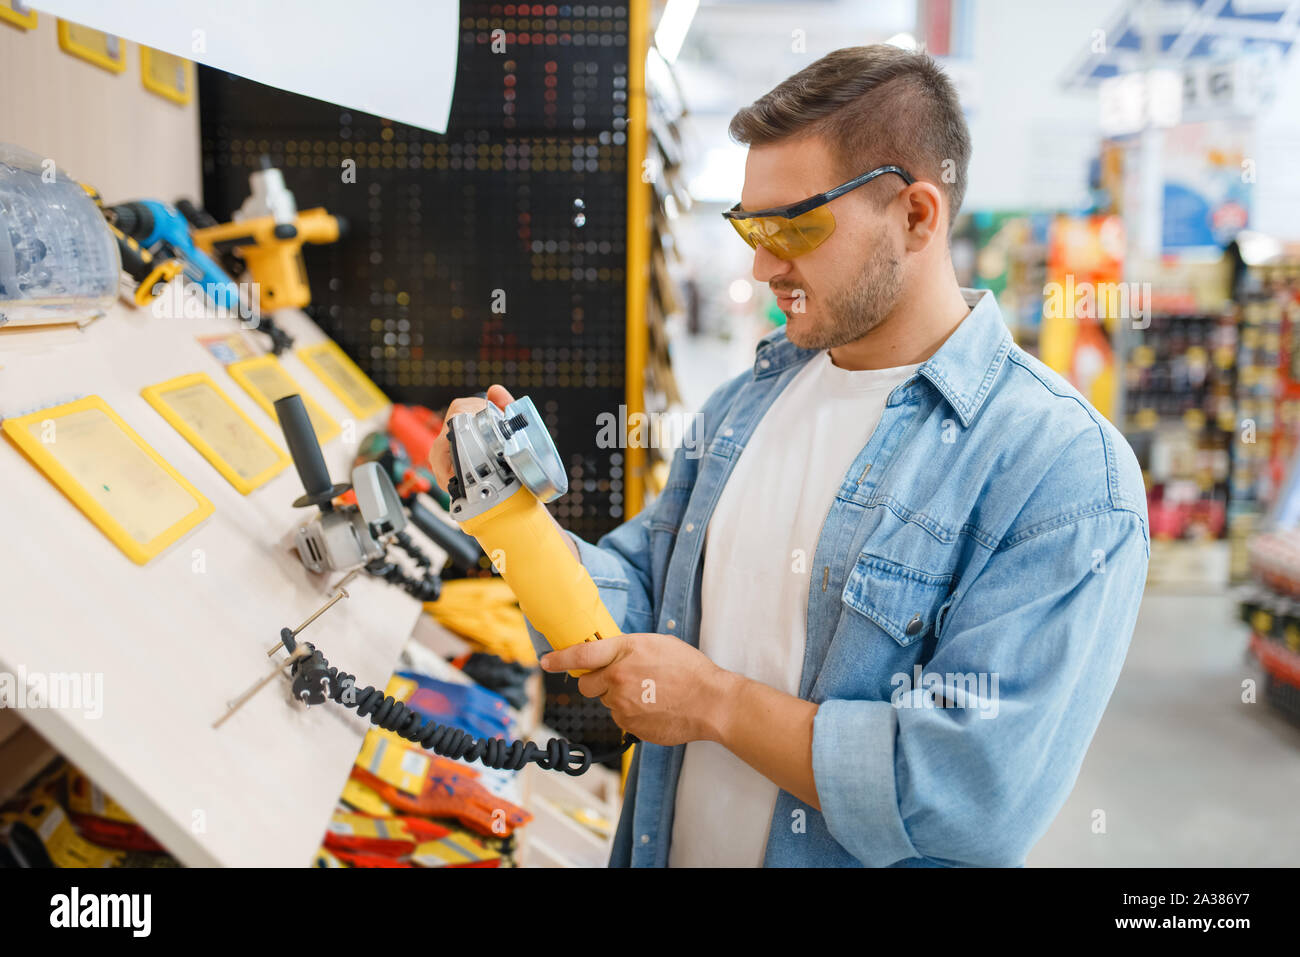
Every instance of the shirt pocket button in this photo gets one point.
(904, 602)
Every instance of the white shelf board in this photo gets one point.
(174, 645)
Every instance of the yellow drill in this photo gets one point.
(267, 233)
(505, 467)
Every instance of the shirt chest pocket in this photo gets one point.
(905, 603)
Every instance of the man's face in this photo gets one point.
(845, 287)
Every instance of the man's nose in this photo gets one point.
(767, 265)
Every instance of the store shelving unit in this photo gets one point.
(175, 640)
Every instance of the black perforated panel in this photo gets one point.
(520, 206)
(522, 203)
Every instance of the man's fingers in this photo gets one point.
(593, 684)
(586, 656)
(470, 403)
(440, 451)
(499, 396)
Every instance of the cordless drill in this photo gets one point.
(163, 228)
(150, 274)
(160, 228)
(267, 234)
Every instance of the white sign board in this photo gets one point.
(396, 59)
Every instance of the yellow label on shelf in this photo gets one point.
(94, 46)
(216, 427)
(168, 75)
(266, 381)
(126, 488)
(1143, 357)
(23, 18)
(344, 378)
(1194, 419)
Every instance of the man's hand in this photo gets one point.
(656, 687)
(440, 452)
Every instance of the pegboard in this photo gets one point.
(520, 206)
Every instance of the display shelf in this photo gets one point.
(174, 641)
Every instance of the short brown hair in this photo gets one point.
(874, 105)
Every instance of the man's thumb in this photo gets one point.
(499, 396)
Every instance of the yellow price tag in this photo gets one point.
(266, 381)
(121, 484)
(218, 429)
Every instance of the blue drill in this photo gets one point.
(160, 226)
(154, 224)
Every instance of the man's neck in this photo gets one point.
(918, 325)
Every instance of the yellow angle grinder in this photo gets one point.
(505, 468)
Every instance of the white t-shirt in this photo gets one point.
(760, 545)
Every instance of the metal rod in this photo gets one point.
(340, 592)
(233, 706)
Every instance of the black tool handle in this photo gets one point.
(462, 549)
(197, 216)
(307, 457)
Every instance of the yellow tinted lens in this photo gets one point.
(742, 227)
(787, 238)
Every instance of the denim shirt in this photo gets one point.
(971, 601)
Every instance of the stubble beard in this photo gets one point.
(853, 312)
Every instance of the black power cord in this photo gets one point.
(315, 680)
(426, 588)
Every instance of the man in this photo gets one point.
(877, 620)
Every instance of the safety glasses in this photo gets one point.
(790, 231)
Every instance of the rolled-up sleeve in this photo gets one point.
(1040, 635)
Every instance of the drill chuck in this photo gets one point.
(134, 219)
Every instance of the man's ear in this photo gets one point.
(923, 206)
